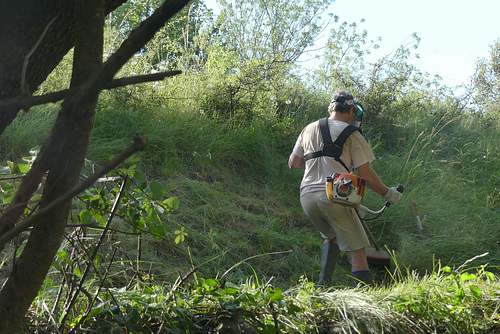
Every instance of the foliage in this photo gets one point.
(254, 50)
(343, 61)
(446, 300)
(450, 300)
(178, 45)
(142, 207)
(486, 82)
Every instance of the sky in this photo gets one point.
(453, 33)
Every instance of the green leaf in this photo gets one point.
(133, 158)
(61, 255)
(100, 220)
(96, 311)
(490, 275)
(8, 199)
(460, 294)
(56, 265)
(158, 231)
(85, 216)
(172, 203)
(139, 175)
(276, 295)
(211, 282)
(23, 168)
(292, 309)
(157, 189)
(77, 272)
(467, 276)
(446, 269)
(98, 258)
(476, 292)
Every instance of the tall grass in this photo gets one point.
(232, 179)
(29, 129)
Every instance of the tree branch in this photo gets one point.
(139, 144)
(29, 184)
(26, 102)
(93, 255)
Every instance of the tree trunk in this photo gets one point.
(64, 151)
(34, 35)
(73, 126)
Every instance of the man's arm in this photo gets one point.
(296, 162)
(366, 172)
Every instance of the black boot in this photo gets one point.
(329, 255)
(361, 278)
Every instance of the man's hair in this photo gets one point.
(341, 102)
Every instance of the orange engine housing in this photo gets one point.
(345, 189)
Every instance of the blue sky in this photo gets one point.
(454, 33)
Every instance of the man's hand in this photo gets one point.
(392, 196)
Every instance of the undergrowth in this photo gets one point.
(443, 301)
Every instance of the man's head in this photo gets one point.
(343, 107)
(341, 102)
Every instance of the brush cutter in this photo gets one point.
(375, 255)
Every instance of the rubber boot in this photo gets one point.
(361, 278)
(329, 255)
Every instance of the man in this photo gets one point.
(339, 225)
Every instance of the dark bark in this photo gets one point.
(73, 124)
(35, 33)
(63, 153)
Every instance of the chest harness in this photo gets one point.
(332, 149)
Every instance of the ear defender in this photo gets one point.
(359, 108)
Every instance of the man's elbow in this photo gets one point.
(295, 162)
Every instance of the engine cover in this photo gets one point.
(345, 189)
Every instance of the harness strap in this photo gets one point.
(332, 149)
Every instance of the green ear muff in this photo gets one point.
(360, 110)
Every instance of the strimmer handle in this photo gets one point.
(399, 188)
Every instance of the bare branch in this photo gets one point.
(26, 102)
(139, 144)
(93, 255)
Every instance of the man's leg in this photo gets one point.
(359, 268)
(329, 256)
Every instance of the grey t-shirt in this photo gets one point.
(356, 152)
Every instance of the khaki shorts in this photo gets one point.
(335, 221)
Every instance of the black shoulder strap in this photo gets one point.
(332, 149)
(325, 131)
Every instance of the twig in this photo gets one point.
(275, 317)
(138, 258)
(94, 253)
(101, 228)
(25, 89)
(51, 316)
(139, 144)
(103, 283)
